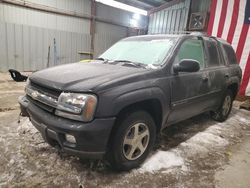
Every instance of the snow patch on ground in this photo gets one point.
(162, 160)
(208, 139)
(244, 120)
(199, 144)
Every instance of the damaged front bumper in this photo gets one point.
(91, 138)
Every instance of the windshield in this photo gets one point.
(146, 52)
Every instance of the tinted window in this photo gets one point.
(191, 49)
(213, 53)
(231, 58)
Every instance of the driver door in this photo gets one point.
(189, 89)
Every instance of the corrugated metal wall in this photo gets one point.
(107, 34)
(19, 15)
(24, 47)
(170, 20)
(25, 34)
(201, 6)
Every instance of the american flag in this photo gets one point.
(230, 20)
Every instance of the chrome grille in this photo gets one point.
(51, 92)
(44, 98)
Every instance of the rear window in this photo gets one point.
(230, 54)
(213, 53)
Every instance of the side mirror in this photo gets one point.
(187, 65)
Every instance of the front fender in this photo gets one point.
(112, 107)
(138, 96)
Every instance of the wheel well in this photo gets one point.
(234, 89)
(152, 106)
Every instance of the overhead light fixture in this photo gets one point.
(123, 6)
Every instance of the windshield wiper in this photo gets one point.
(127, 62)
(102, 59)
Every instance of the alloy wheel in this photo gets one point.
(136, 141)
(226, 105)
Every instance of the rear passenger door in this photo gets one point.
(217, 72)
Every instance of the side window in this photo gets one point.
(191, 49)
(213, 53)
(229, 51)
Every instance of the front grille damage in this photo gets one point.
(43, 97)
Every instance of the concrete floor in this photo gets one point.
(198, 152)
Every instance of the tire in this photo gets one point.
(224, 110)
(129, 149)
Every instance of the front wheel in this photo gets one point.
(222, 113)
(133, 140)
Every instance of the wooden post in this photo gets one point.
(92, 27)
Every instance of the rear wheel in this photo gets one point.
(222, 113)
(133, 140)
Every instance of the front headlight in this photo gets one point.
(76, 106)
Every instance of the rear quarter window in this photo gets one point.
(230, 54)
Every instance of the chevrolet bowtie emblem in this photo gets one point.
(34, 94)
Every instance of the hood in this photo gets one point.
(83, 76)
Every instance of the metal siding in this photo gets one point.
(1, 14)
(165, 21)
(150, 23)
(172, 19)
(106, 35)
(154, 23)
(161, 21)
(26, 34)
(170, 16)
(25, 48)
(158, 22)
(18, 47)
(82, 6)
(20, 15)
(186, 7)
(3, 47)
(10, 45)
(177, 20)
(202, 6)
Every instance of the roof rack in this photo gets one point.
(178, 32)
(196, 33)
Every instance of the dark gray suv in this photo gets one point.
(115, 105)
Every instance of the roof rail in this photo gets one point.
(178, 32)
(196, 33)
